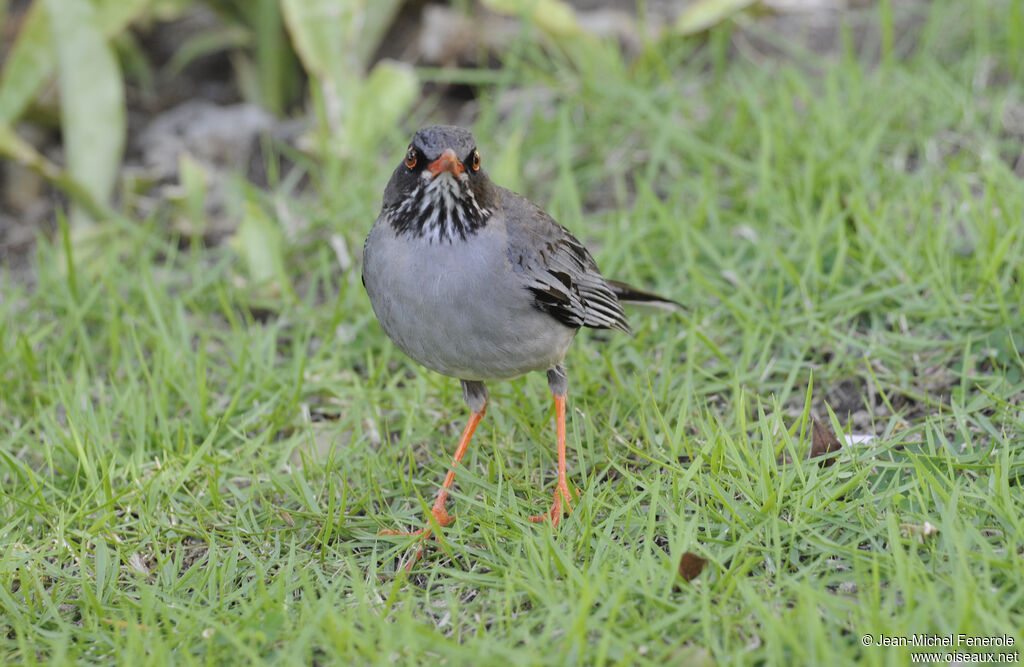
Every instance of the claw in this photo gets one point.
(555, 513)
(441, 517)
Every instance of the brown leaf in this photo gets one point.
(823, 442)
(690, 565)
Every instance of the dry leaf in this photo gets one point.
(823, 442)
(690, 565)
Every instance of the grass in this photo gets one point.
(195, 468)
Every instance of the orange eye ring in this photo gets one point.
(410, 158)
(475, 163)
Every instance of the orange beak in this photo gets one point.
(447, 162)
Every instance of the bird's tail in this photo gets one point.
(637, 297)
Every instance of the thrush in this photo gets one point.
(478, 283)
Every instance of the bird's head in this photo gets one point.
(439, 191)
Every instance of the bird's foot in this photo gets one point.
(441, 518)
(555, 513)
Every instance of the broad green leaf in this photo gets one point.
(703, 14)
(335, 39)
(258, 241)
(381, 101)
(552, 16)
(320, 30)
(29, 64)
(33, 59)
(377, 17)
(91, 97)
(317, 36)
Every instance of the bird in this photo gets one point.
(478, 283)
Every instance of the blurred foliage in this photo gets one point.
(270, 75)
(700, 16)
(32, 60)
(336, 41)
(71, 37)
(275, 47)
(93, 110)
(258, 242)
(274, 44)
(553, 16)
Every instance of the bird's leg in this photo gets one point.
(559, 384)
(475, 394)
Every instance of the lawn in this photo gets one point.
(195, 465)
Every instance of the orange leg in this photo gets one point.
(440, 515)
(562, 489)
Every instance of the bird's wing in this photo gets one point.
(557, 269)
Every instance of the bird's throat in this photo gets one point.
(440, 209)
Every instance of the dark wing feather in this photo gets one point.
(558, 270)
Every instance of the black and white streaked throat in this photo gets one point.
(439, 204)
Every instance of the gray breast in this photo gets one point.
(457, 307)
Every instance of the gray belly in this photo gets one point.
(458, 308)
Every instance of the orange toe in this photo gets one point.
(556, 511)
(441, 517)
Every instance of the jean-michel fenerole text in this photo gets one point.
(958, 640)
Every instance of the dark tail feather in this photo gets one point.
(637, 297)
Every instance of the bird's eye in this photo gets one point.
(410, 158)
(475, 161)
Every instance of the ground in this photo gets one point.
(195, 465)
